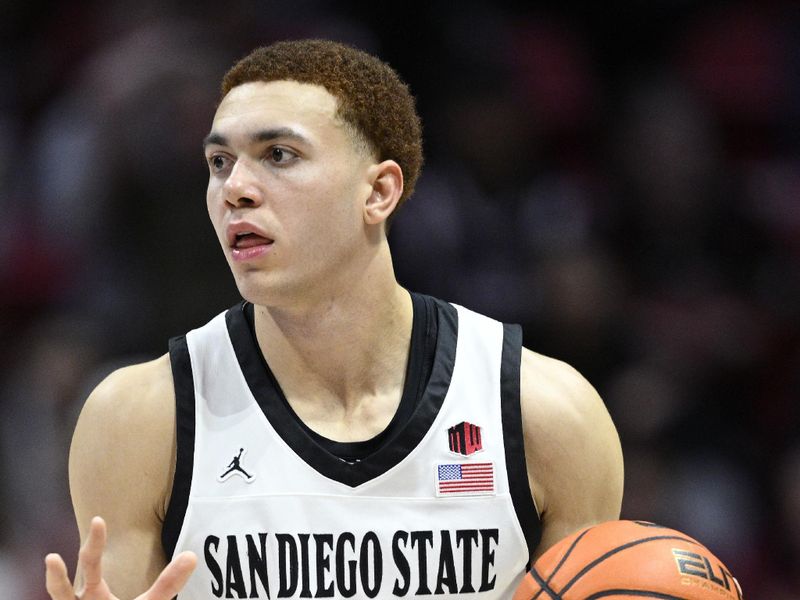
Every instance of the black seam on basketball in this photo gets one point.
(649, 524)
(619, 549)
(639, 593)
(544, 587)
(566, 555)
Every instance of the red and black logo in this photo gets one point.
(465, 438)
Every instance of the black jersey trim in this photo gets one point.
(516, 466)
(268, 394)
(183, 382)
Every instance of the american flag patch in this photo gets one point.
(472, 479)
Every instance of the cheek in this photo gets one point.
(339, 216)
(325, 205)
(214, 207)
(212, 195)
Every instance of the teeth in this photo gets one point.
(243, 233)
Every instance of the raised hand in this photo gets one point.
(167, 585)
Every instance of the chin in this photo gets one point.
(262, 289)
(256, 294)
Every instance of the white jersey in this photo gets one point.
(443, 508)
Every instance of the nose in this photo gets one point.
(242, 187)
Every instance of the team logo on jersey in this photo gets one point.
(464, 438)
(235, 468)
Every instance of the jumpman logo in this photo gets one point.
(235, 468)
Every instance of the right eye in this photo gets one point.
(217, 162)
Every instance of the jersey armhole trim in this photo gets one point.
(516, 467)
(185, 430)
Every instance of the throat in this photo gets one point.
(344, 356)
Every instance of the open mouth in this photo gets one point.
(247, 245)
(247, 239)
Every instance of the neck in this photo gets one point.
(347, 348)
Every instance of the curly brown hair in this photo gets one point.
(372, 98)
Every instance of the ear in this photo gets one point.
(387, 187)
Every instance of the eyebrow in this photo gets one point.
(214, 139)
(263, 135)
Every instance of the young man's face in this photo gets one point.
(286, 190)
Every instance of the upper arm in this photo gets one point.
(121, 467)
(572, 449)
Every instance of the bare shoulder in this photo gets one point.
(125, 438)
(572, 448)
(137, 398)
(553, 392)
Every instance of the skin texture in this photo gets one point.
(324, 289)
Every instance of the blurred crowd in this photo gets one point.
(622, 179)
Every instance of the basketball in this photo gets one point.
(627, 560)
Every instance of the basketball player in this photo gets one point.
(334, 435)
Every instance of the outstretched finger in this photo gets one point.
(91, 554)
(172, 578)
(57, 578)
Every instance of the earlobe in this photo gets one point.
(387, 187)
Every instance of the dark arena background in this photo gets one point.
(623, 180)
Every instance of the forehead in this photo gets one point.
(260, 104)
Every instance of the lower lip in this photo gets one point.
(245, 254)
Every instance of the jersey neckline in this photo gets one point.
(422, 350)
(270, 398)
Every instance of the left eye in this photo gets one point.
(280, 155)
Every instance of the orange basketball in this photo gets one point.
(628, 560)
